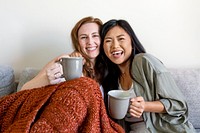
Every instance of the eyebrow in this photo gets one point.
(117, 36)
(120, 35)
(95, 33)
(92, 34)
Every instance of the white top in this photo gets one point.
(102, 92)
(128, 117)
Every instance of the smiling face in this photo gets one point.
(117, 45)
(89, 40)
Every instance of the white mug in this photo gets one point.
(118, 103)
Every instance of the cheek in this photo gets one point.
(97, 41)
(82, 44)
(130, 50)
(106, 49)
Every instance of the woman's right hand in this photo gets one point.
(137, 106)
(54, 73)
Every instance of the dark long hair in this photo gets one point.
(107, 72)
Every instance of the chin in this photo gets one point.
(117, 62)
(93, 56)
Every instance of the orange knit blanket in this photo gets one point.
(74, 106)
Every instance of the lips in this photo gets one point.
(91, 48)
(117, 54)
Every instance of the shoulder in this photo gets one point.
(145, 57)
(148, 61)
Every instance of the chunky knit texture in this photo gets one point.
(75, 106)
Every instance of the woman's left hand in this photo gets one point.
(137, 106)
(77, 54)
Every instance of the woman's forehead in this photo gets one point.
(88, 28)
(116, 31)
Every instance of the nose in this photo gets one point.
(115, 44)
(89, 40)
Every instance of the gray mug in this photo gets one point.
(72, 67)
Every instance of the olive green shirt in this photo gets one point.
(154, 82)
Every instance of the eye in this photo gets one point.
(96, 35)
(83, 37)
(121, 38)
(107, 40)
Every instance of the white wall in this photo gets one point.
(32, 32)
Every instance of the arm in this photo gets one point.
(154, 106)
(158, 84)
(50, 74)
(138, 106)
(43, 79)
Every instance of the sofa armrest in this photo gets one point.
(7, 80)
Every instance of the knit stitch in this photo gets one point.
(74, 106)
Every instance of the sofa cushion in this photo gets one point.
(7, 83)
(188, 80)
(26, 75)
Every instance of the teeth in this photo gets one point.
(92, 48)
(116, 52)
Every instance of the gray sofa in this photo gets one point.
(187, 79)
(7, 80)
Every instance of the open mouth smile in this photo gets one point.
(115, 53)
(91, 48)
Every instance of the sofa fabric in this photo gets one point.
(26, 75)
(7, 80)
(188, 80)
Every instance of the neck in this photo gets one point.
(125, 78)
(125, 81)
(92, 62)
(124, 67)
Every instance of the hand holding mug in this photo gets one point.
(54, 73)
(137, 106)
(77, 54)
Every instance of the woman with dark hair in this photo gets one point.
(156, 105)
